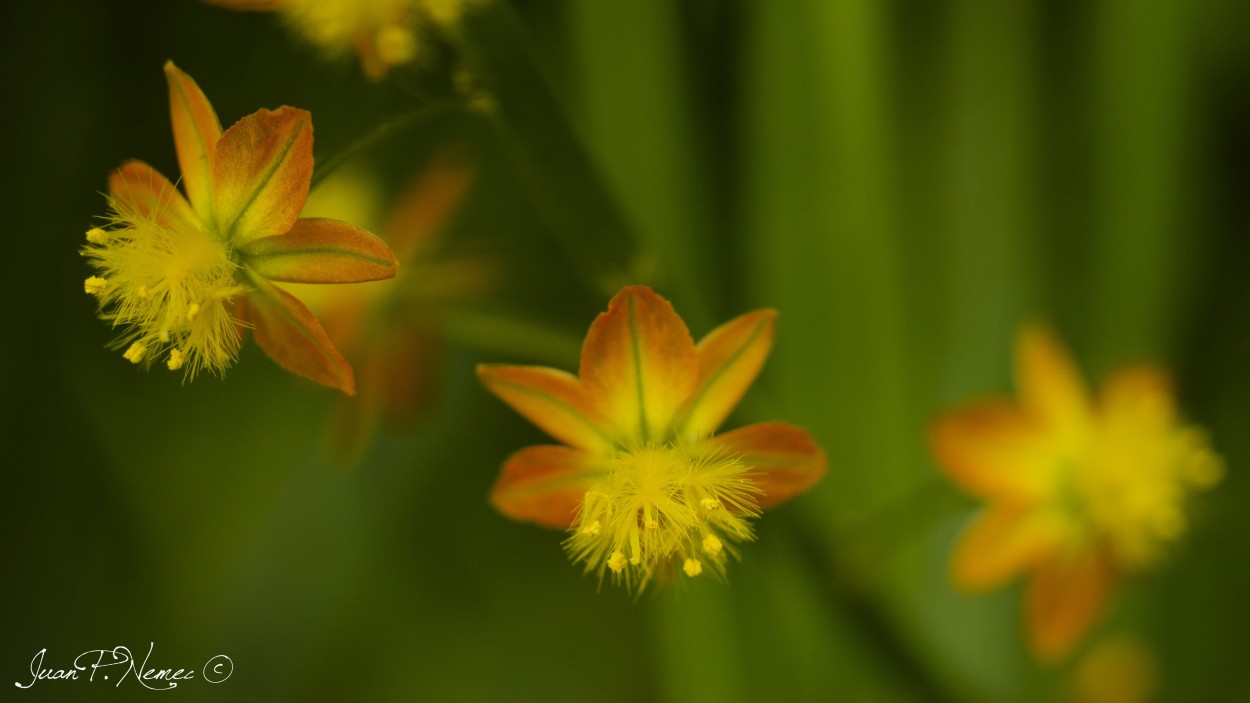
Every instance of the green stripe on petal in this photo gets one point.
(319, 250)
(261, 173)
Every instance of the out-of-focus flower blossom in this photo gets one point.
(383, 33)
(642, 485)
(1121, 669)
(391, 331)
(185, 276)
(1080, 490)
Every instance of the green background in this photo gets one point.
(904, 182)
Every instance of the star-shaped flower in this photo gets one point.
(641, 483)
(185, 276)
(1080, 490)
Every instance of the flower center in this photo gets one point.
(659, 507)
(169, 287)
(1139, 471)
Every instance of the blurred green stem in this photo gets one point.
(860, 608)
(381, 133)
(513, 335)
(568, 191)
(1142, 247)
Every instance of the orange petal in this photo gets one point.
(544, 485)
(785, 461)
(730, 357)
(1050, 384)
(552, 399)
(196, 133)
(639, 362)
(412, 363)
(423, 211)
(291, 336)
(1062, 600)
(1000, 544)
(140, 189)
(318, 250)
(261, 173)
(990, 449)
(1140, 392)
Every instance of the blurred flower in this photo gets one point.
(1080, 491)
(643, 486)
(185, 276)
(383, 33)
(391, 331)
(1122, 669)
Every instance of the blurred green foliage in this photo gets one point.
(904, 182)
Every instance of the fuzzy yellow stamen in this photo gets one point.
(170, 285)
(135, 353)
(692, 567)
(95, 235)
(1131, 483)
(176, 359)
(652, 505)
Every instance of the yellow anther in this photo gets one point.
(709, 503)
(144, 293)
(616, 562)
(95, 235)
(651, 524)
(692, 567)
(593, 529)
(712, 545)
(192, 311)
(176, 359)
(94, 285)
(135, 353)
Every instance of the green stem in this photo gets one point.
(873, 627)
(382, 132)
(513, 336)
(568, 191)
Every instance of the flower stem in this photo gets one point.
(568, 190)
(382, 132)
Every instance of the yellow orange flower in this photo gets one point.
(391, 331)
(641, 483)
(1080, 490)
(187, 275)
(383, 33)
